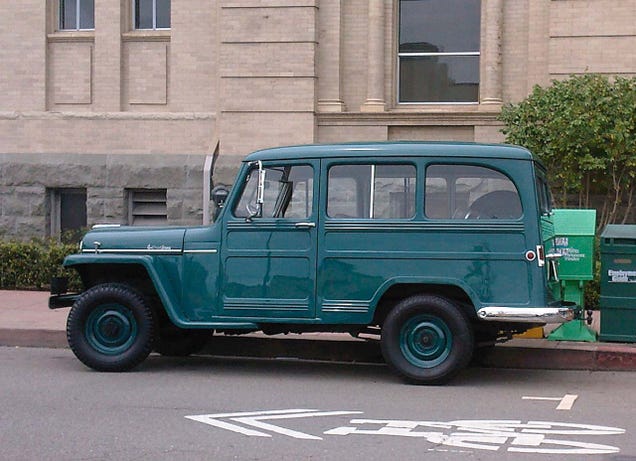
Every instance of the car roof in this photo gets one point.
(392, 149)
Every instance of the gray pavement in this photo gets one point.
(26, 321)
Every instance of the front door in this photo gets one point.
(269, 250)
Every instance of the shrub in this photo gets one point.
(31, 265)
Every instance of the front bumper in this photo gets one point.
(65, 300)
(537, 315)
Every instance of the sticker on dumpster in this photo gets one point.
(562, 247)
(621, 276)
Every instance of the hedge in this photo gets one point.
(31, 265)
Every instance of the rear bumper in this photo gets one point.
(560, 314)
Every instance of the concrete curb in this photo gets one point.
(522, 354)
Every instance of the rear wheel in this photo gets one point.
(110, 328)
(427, 339)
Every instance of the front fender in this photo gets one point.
(168, 297)
(160, 280)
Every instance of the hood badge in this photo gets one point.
(158, 248)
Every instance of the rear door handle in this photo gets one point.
(305, 225)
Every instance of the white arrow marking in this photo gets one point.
(255, 419)
(565, 403)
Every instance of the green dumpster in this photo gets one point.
(574, 241)
(618, 283)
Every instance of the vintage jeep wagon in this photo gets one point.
(436, 247)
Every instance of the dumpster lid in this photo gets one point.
(574, 222)
(620, 231)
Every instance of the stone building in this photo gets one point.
(113, 111)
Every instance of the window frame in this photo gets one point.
(370, 193)
(398, 60)
(310, 192)
(78, 16)
(133, 5)
(452, 193)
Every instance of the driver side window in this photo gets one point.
(288, 193)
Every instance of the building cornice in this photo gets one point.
(409, 118)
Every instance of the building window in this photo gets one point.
(151, 14)
(147, 207)
(68, 210)
(77, 14)
(439, 51)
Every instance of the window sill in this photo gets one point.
(146, 36)
(74, 36)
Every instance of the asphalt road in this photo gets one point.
(205, 408)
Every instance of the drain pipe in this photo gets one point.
(208, 168)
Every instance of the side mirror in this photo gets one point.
(219, 195)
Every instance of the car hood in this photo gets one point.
(150, 240)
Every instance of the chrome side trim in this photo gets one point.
(105, 226)
(526, 314)
(134, 250)
(200, 251)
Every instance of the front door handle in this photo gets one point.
(305, 225)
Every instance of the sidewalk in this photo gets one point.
(26, 321)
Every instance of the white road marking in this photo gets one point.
(565, 403)
(514, 436)
(255, 419)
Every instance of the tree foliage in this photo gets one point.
(584, 130)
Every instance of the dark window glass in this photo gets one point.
(152, 14)
(143, 14)
(371, 191)
(68, 13)
(439, 79)
(439, 51)
(163, 14)
(439, 25)
(87, 14)
(73, 19)
(72, 210)
(288, 193)
(470, 192)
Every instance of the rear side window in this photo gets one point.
(371, 191)
(470, 192)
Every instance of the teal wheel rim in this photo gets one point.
(111, 329)
(426, 341)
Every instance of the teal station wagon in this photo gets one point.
(438, 248)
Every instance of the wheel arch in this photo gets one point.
(137, 272)
(398, 290)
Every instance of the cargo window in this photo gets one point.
(470, 192)
(371, 191)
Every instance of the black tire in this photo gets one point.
(175, 342)
(111, 328)
(427, 339)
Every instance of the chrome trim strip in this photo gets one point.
(526, 314)
(105, 226)
(133, 250)
(201, 251)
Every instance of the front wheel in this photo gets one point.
(110, 328)
(427, 339)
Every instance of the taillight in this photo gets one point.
(540, 255)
